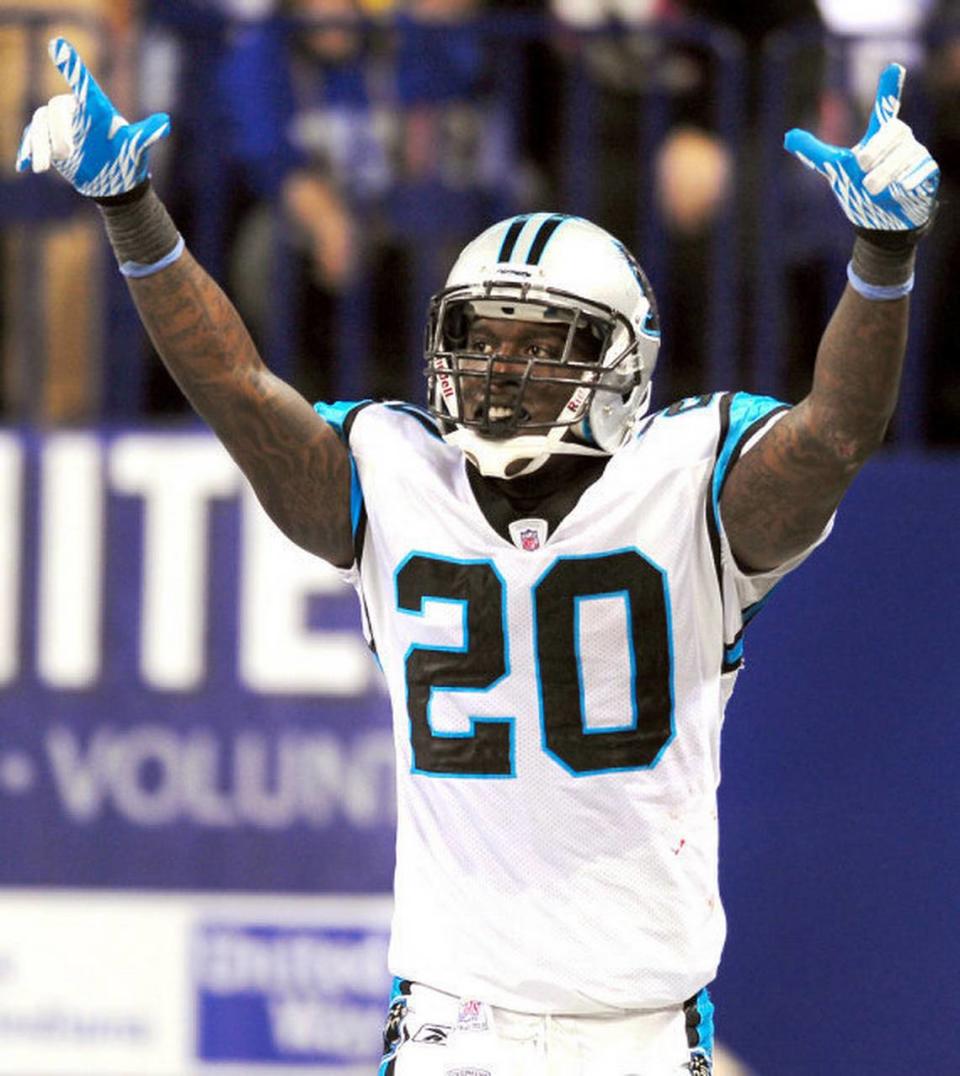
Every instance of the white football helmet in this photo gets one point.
(543, 267)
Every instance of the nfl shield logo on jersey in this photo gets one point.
(528, 534)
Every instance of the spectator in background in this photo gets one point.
(50, 302)
(813, 249)
(369, 139)
(457, 166)
(651, 70)
(183, 47)
(306, 111)
(450, 135)
(620, 47)
(881, 30)
(652, 94)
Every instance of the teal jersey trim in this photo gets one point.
(747, 413)
(705, 1009)
(337, 415)
(732, 655)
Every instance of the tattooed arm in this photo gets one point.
(780, 495)
(296, 463)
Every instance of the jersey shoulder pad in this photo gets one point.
(389, 432)
(341, 415)
(712, 427)
(683, 432)
(418, 414)
(689, 404)
(398, 414)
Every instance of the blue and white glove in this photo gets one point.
(84, 137)
(888, 181)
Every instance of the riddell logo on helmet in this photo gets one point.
(576, 400)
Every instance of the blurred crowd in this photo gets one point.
(328, 158)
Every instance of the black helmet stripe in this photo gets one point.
(510, 239)
(540, 240)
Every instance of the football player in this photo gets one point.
(554, 580)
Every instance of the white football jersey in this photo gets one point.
(557, 701)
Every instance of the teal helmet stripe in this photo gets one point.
(510, 239)
(543, 235)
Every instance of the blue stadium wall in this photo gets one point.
(840, 856)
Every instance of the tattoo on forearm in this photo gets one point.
(780, 495)
(297, 465)
(857, 375)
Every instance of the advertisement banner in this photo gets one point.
(186, 698)
(138, 985)
(307, 994)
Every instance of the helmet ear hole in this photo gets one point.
(455, 329)
(590, 340)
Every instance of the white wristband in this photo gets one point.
(879, 292)
(137, 269)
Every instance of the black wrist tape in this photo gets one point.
(138, 226)
(884, 258)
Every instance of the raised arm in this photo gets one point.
(780, 495)
(296, 463)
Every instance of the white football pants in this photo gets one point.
(430, 1033)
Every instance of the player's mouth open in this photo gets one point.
(500, 415)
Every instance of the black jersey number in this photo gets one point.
(633, 580)
(485, 751)
(481, 662)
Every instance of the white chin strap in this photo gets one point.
(526, 453)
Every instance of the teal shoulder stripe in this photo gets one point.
(337, 416)
(747, 414)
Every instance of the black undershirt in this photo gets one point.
(550, 493)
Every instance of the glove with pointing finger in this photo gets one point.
(888, 181)
(84, 136)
